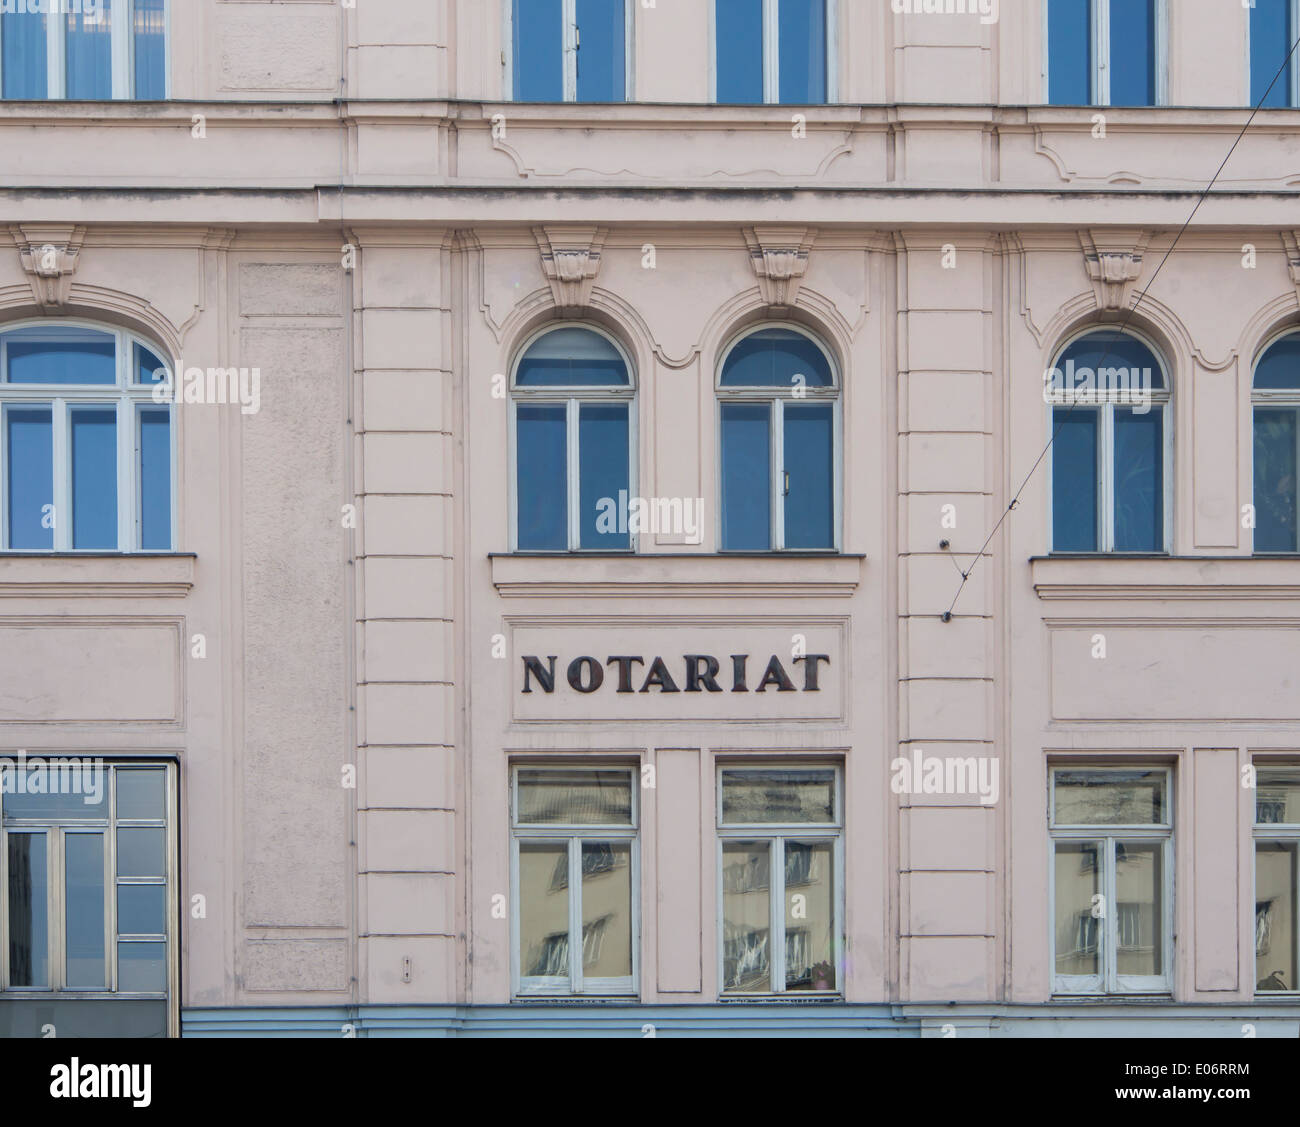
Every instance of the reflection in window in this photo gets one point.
(1104, 52)
(1277, 880)
(771, 51)
(1276, 400)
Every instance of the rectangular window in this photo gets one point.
(808, 449)
(1112, 840)
(780, 847)
(1277, 879)
(94, 477)
(576, 880)
(776, 51)
(94, 50)
(88, 898)
(746, 477)
(1276, 462)
(570, 50)
(1104, 52)
(1076, 479)
(1272, 31)
(29, 467)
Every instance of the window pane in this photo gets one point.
(1275, 479)
(150, 32)
(141, 909)
(1139, 480)
(1279, 367)
(575, 798)
(1074, 479)
(572, 357)
(802, 48)
(94, 477)
(31, 477)
(795, 796)
(141, 793)
(84, 913)
(1277, 868)
(539, 51)
(1139, 895)
(1069, 52)
(543, 477)
(777, 358)
(1115, 360)
(1277, 798)
(607, 909)
(63, 788)
(22, 33)
(544, 909)
(746, 477)
(809, 916)
(1077, 879)
(1270, 40)
(89, 45)
(602, 70)
(809, 462)
(60, 356)
(142, 966)
(29, 952)
(155, 479)
(1111, 798)
(1132, 52)
(738, 35)
(141, 851)
(603, 462)
(746, 916)
(148, 368)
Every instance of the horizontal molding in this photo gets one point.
(675, 576)
(79, 576)
(1136, 579)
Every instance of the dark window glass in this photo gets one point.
(148, 368)
(94, 477)
(746, 477)
(1139, 480)
(603, 471)
(542, 489)
(22, 40)
(31, 477)
(738, 34)
(155, 479)
(1132, 52)
(539, 51)
(1128, 361)
(810, 484)
(1069, 52)
(776, 358)
(84, 910)
(1074, 479)
(150, 46)
(602, 41)
(1279, 368)
(89, 46)
(802, 51)
(1275, 480)
(571, 357)
(60, 356)
(29, 924)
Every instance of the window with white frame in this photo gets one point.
(575, 880)
(1272, 29)
(84, 49)
(1112, 880)
(1277, 879)
(779, 443)
(87, 892)
(780, 858)
(1111, 462)
(1104, 52)
(774, 51)
(572, 419)
(86, 451)
(1276, 423)
(570, 50)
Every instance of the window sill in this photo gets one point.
(769, 575)
(96, 575)
(1112, 577)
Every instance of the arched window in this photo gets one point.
(572, 399)
(1109, 423)
(85, 447)
(779, 416)
(1276, 408)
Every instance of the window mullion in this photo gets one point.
(573, 469)
(1101, 45)
(120, 46)
(55, 86)
(55, 872)
(1110, 929)
(1106, 489)
(776, 881)
(771, 52)
(60, 441)
(569, 14)
(575, 915)
(778, 474)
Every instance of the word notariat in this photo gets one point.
(702, 671)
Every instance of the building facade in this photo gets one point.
(649, 517)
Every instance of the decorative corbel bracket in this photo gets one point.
(570, 261)
(1114, 263)
(49, 253)
(1291, 241)
(779, 256)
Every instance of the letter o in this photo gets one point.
(595, 674)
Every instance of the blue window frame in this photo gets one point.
(1273, 25)
(779, 443)
(572, 402)
(1104, 52)
(776, 51)
(570, 50)
(1276, 398)
(1109, 420)
(92, 50)
(86, 451)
